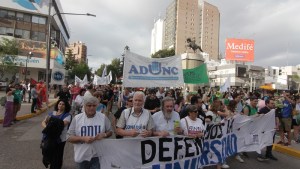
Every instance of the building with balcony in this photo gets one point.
(26, 21)
(78, 50)
(195, 19)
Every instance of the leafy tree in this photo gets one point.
(163, 53)
(8, 55)
(80, 70)
(70, 60)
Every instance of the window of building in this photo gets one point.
(23, 17)
(11, 14)
(35, 19)
(38, 36)
(27, 18)
(9, 31)
(20, 16)
(3, 13)
(20, 33)
(38, 19)
(2, 30)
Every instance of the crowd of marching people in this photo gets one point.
(83, 115)
(16, 94)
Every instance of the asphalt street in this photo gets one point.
(19, 146)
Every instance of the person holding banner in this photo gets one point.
(192, 126)
(166, 121)
(135, 121)
(270, 104)
(86, 128)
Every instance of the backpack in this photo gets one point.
(3, 101)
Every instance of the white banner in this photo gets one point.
(141, 71)
(84, 81)
(102, 80)
(239, 134)
(77, 80)
(58, 76)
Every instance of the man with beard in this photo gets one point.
(166, 121)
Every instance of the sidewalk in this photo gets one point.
(292, 150)
(24, 112)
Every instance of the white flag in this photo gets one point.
(104, 72)
(95, 81)
(109, 78)
(77, 80)
(225, 86)
(84, 81)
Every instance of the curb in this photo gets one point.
(27, 116)
(286, 150)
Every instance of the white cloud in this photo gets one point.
(273, 24)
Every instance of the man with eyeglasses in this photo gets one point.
(118, 113)
(135, 121)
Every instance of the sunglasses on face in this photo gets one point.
(129, 100)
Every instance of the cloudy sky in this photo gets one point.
(273, 24)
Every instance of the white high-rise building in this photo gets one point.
(157, 35)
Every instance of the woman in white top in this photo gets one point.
(191, 125)
(9, 107)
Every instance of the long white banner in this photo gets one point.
(238, 134)
(141, 71)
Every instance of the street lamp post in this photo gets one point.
(49, 41)
(27, 57)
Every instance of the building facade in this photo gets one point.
(283, 78)
(26, 21)
(157, 35)
(195, 19)
(240, 75)
(78, 50)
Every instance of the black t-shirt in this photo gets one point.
(119, 112)
(151, 104)
(264, 110)
(202, 116)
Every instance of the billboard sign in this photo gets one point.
(240, 50)
(39, 6)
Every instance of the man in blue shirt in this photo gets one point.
(286, 118)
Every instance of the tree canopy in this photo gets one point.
(8, 55)
(163, 53)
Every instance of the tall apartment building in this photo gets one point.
(157, 35)
(26, 22)
(78, 50)
(195, 19)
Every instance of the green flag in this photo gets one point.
(196, 75)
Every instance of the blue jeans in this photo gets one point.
(93, 164)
